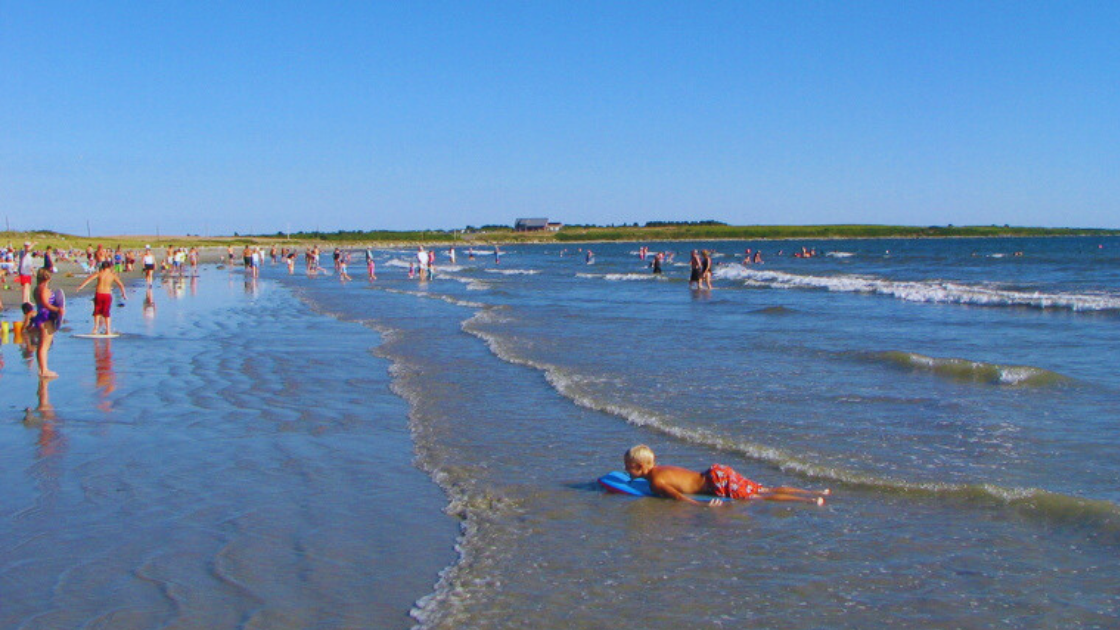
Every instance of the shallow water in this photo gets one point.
(232, 460)
(322, 444)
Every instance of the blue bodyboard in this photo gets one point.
(621, 483)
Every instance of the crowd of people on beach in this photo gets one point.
(43, 310)
(42, 304)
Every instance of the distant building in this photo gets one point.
(530, 225)
(554, 226)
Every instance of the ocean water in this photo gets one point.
(303, 452)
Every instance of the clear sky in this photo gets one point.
(214, 118)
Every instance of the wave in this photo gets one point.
(473, 284)
(1031, 501)
(619, 277)
(775, 310)
(924, 290)
(515, 272)
(477, 508)
(976, 371)
(839, 254)
(435, 296)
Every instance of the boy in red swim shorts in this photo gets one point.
(103, 296)
(677, 483)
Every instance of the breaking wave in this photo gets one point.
(514, 272)
(1031, 501)
(618, 277)
(975, 371)
(938, 291)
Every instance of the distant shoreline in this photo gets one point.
(567, 235)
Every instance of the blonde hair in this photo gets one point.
(641, 454)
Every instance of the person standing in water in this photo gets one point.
(103, 296)
(45, 320)
(706, 270)
(343, 262)
(422, 262)
(694, 276)
(149, 261)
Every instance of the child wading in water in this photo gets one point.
(677, 483)
(45, 321)
(103, 296)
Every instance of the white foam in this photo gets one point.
(473, 284)
(938, 291)
(515, 272)
(618, 277)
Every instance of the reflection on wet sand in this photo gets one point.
(44, 418)
(106, 378)
(149, 304)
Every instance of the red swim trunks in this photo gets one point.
(101, 304)
(723, 481)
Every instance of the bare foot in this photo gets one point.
(45, 375)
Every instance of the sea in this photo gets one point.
(300, 451)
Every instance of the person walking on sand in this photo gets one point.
(103, 296)
(26, 268)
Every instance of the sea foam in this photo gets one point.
(935, 291)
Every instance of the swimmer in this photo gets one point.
(673, 482)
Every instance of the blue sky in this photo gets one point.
(207, 118)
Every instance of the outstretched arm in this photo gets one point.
(86, 281)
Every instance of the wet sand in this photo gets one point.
(233, 459)
(70, 275)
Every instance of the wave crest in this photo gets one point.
(1031, 501)
(975, 371)
(939, 291)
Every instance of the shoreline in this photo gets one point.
(70, 275)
